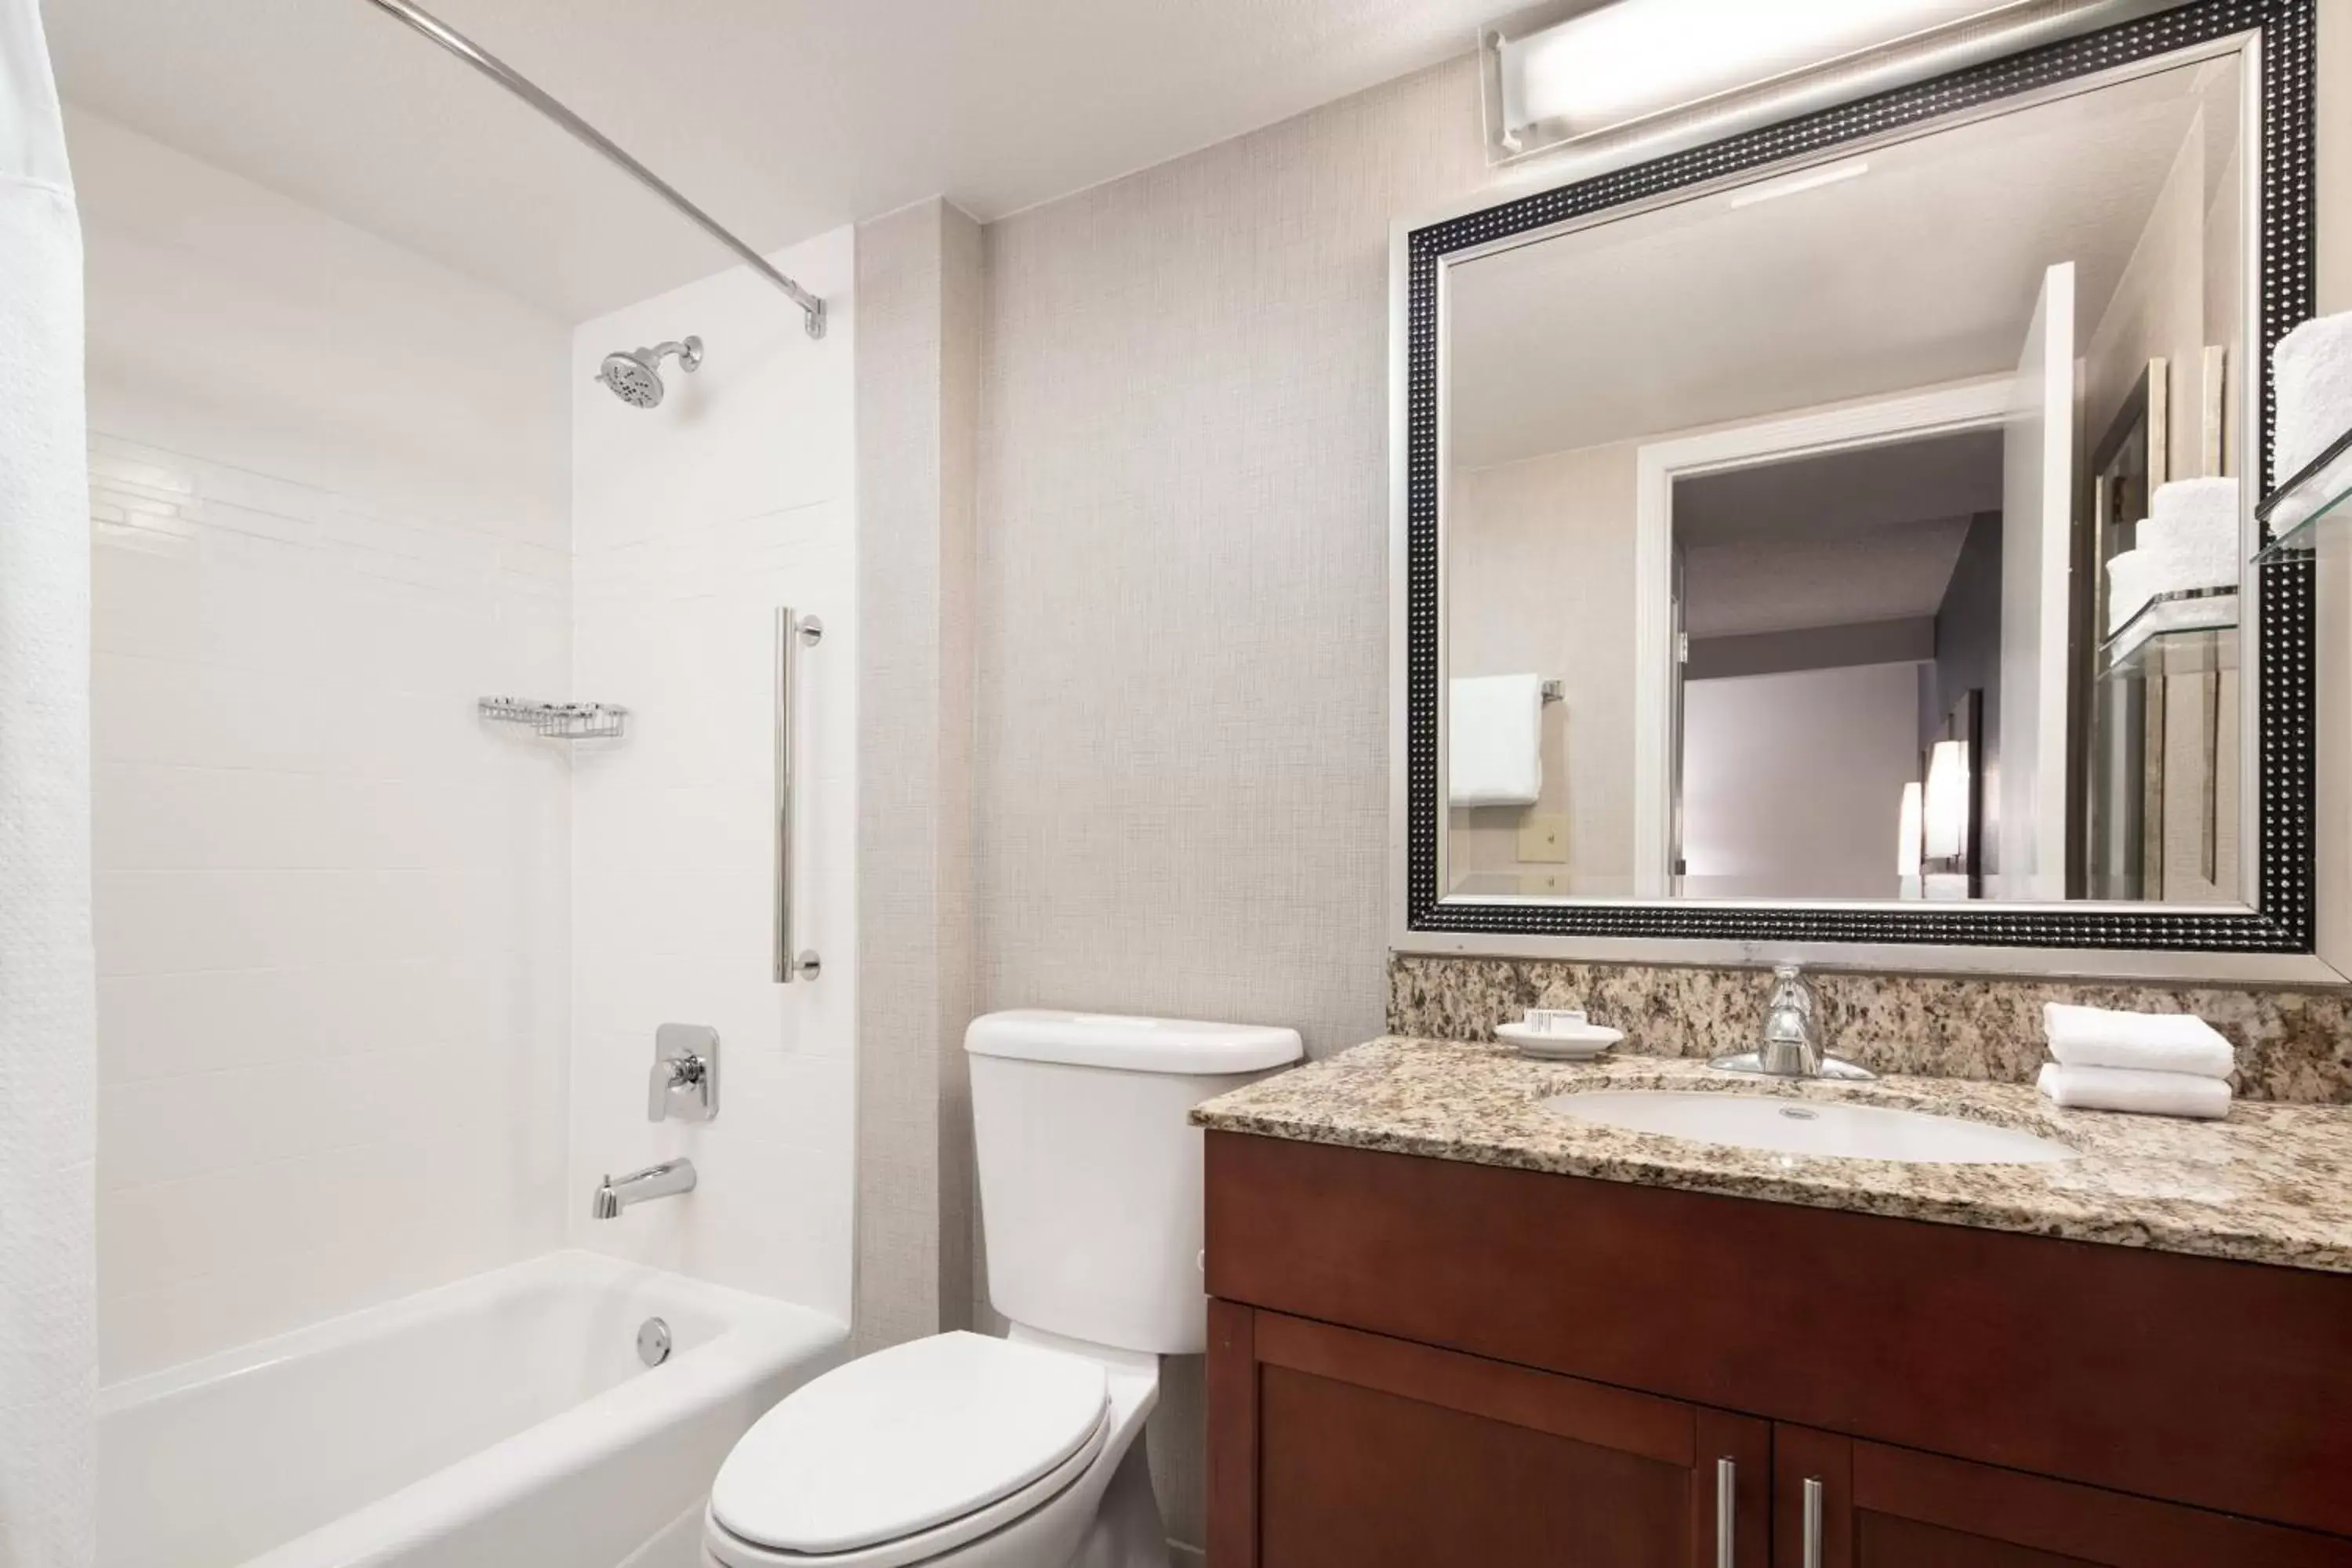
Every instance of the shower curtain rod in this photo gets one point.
(522, 86)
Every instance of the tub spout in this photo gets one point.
(615, 1193)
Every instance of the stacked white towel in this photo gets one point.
(2188, 541)
(2131, 584)
(2311, 368)
(2162, 1064)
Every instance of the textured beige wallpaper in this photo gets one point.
(1182, 572)
(918, 388)
(1539, 579)
(1182, 589)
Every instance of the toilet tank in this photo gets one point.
(1090, 1176)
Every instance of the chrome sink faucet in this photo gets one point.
(613, 1194)
(1790, 1045)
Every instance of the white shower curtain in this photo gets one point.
(48, 1348)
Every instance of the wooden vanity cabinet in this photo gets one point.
(1884, 1506)
(1337, 1447)
(1421, 1362)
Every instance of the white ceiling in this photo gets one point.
(781, 118)
(1869, 535)
(1922, 269)
(1886, 485)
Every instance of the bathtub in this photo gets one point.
(505, 1420)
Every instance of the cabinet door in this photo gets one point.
(1334, 1448)
(1872, 1506)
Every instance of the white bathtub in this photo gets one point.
(505, 1420)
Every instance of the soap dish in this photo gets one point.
(1580, 1043)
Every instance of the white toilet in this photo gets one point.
(970, 1452)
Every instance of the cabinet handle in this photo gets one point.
(1727, 1512)
(1812, 1521)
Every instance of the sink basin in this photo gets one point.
(1786, 1126)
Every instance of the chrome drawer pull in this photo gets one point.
(1727, 1512)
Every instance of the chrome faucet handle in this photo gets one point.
(661, 1082)
(683, 1082)
(1791, 988)
(1791, 1042)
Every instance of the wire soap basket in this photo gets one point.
(558, 721)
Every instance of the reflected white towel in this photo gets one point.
(2151, 1042)
(1494, 741)
(2311, 368)
(2148, 1093)
(2193, 534)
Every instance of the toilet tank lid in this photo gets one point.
(1131, 1045)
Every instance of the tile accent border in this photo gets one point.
(2292, 1046)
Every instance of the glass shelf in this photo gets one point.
(2193, 633)
(2314, 499)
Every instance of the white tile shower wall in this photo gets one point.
(692, 522)
(331, 907)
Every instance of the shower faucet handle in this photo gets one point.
(683, 1082)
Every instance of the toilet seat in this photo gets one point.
(731, 1551)
(906, 1453)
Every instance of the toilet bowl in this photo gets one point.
(964, 1451)
(946, 1453)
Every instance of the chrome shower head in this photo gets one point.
(635, 377)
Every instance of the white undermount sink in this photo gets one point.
(1786, 1126)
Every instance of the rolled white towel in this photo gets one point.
(2146, 1093)
(2311, 368)
(2149, 1042)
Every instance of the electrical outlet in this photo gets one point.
(1543, 841)
(1544, 884)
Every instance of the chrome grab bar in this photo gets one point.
(791, 632)
(1812, 1536)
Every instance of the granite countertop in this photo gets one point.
(2271, 1184)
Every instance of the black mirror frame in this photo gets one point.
(2283, 918)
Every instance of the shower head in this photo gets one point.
(635, 377)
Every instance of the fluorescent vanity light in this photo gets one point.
(1906, 842)
(1637, 57)
(1945, 804)
(1806, 180)
(1620, 81)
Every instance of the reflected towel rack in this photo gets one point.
(558, 721)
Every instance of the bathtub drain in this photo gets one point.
(653, 1342)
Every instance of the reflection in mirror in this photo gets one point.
(1870, 530)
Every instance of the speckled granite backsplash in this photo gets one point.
(2292, 1046)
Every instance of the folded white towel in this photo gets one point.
(2195, 522)
(1494, 741)
(2131, 578)
(2311, 368)
(2149, 1042)
(2121, 1089)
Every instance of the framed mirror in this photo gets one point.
(1839, 533)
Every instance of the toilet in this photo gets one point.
(967, 1451)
